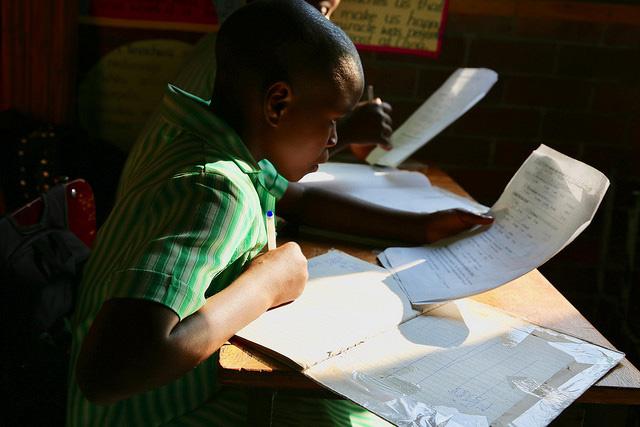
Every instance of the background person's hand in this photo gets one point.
(439, 225)
(286, 268)
(368, 125)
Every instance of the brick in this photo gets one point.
(547, 92)
(634, 134)
(430, 80)
(574, 280)
(496, 94)
(584, 127)
(402, 110)
(462, 24)
(584, 250)
(605, 316)
(559, 30)
(602, 63)
(620, 65)
(634, 301)
(626, 14)
(576, 61)
(511, 153)
(617, 64)
(611, 159)
(484, 7)
(622, 34)
(571, 149)
(498, 122)
(446, 151)
(628, 192)
(619, 235)
(367, 57)
(512, 55)
(566, 10)
(484, 185)
(391, 81)
(615, 98)
(452, 52)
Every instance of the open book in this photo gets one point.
(354, 331)
(547, 204)
(462, 90)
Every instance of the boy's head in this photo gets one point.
(285, 75)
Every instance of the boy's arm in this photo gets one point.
(329, 210)
(135, 345)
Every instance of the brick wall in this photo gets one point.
(569, 77)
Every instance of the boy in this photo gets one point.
(176, 269)
(368, 124)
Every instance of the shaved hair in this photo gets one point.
(268, 41)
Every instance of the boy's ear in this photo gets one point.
(277, 101)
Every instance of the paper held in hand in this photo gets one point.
(547, 203)
(456, 96)
(461, 364)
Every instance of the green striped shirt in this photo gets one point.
(188, 217)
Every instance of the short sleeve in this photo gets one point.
(194, 227)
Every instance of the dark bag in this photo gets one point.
(40, 268)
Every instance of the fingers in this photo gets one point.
(451, 222)
(385, 135)
(386, 107)
(369, 123)
(383, 111)
(473, 218)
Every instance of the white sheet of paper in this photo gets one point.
(466, 364)
(392, 188)
(547, 203)
(349, 177)
(462, 90)
(328, 317)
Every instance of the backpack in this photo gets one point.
(40, 269)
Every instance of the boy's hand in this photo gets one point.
(439, 225)
(368, 125)
(286, 268)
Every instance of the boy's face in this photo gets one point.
(306, 127)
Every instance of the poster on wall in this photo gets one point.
(121, 91)
(401, 26)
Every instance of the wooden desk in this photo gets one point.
(530, 297)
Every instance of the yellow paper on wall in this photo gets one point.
(404, 26)
(120, 92)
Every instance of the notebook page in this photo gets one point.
(469, 362)
(345, 301)
(459, 93)
(547, 203)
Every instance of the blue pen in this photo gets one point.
(271, 231)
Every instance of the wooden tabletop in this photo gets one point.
(531, 297)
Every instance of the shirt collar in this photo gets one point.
(193, 114)
(271, 180)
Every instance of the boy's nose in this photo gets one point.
(333, 138)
